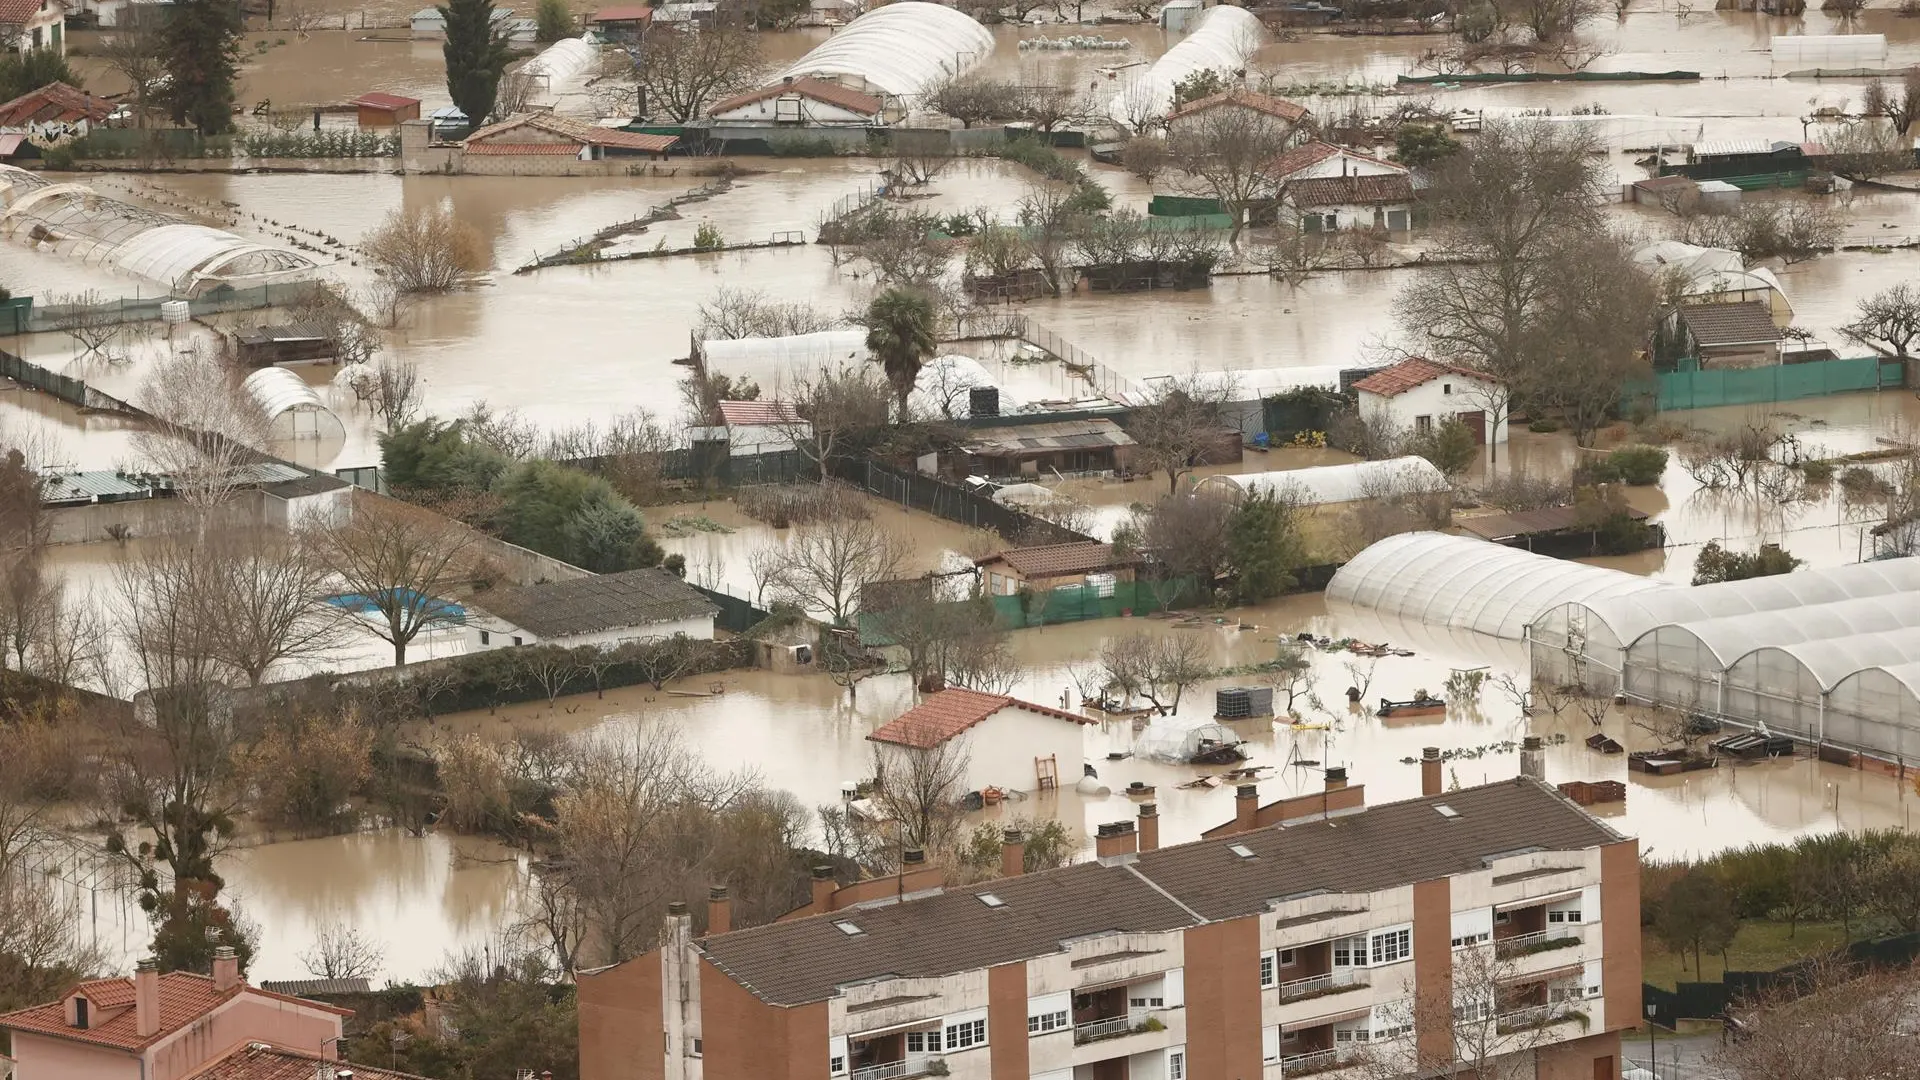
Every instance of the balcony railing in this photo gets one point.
(1554, 937)
(1318, 985)
(1095, 1030)
(1537, 1016)
(1319, 1061)
(912, 1065)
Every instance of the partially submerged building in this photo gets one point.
(1740, 335)
(802, 101)
(546, 135)
(1325, 188)
(1417, 395)
(598, 609)
(1059, 447)
(1006, 743)
(381, 110)
(1087, 563)
(1270, 951)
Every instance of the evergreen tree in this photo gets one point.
(477, 55)
(202, 55)
(23, 73)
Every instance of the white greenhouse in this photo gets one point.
(294, 410)
(1224, 41)
(1335, 483)
(902, 49)
(562, 66)
(1417, 583)
(1830, 50)
(76, 221)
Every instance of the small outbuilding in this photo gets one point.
(543, 134)
(1418, 394)
(802, 101)
(599, 609)
(265, 346)
(1060, 447)
(378, 110)
(55, 103)
(1739, 335)
(624, 23)
(754, 427)
(294, 409)
(1194, 113)
(1053, 566)
(1008, 743)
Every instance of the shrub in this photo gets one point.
(1715, 563)
(473, 773)
(1543, 426)
(305, 772)
(58, 158)
(802, 146)
(1858, 480)
(426, 249)
(1449, 446)
(1816, 472)
(708, 237)
(1635, 465)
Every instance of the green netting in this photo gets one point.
(1078, 603)
(1700, 389)
(1183, 206)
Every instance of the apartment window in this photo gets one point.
(1423, 425)
(1147, 1003)
(966, 1034)
(1289, 1036)
(1571, 916)
(923, 1042)
(1177, 1065)
(1502, 918)
(1470, 939)
(1392, 946)
(1350, 952)
(486, 638)
(700, 1048)
(1286, 958)
(1267, 978)
(1471, 1011)
(1058, 1020)
(1392, 1031)
(837, 1066)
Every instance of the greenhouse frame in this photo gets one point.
(1328, 484)
(560, 66)
(1224, 40)
(294, 409)
(903, 49)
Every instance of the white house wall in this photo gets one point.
(812, 113)
(1344, 165)
(501, 633)
(1433, 399)
(1001, 749)
(1350, 216)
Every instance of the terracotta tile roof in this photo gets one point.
(756, 413)
(1339, 190)
(390, 102)
(1412, 372)
(509, 149)
(17, 12)
(52, 102)
(586, 605)
(587, 134)
(261, 1061)
(1053, 560)
(806, 960)
(1313, 153)
(1286, 110)
(946, 714)
(830, 93)
(1745, 323)
(638, 13)
(184, 999)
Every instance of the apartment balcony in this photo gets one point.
(1334, 982)
(1093, 1031)
(910, 1066)
(1096, 1041)
(1535, 1017)
(1553, 937)
(1320, 1061)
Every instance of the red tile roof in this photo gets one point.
(389, 102)
(1412, 372)
(17, 12)
(52, 102)
(1744, 323)
(949, 713)
(1053, 560)
(260, 1061)
(1344, 190)
(830, 93)
(582, 134)
(1313, 153)
(1247, 99)
(756, 413)
(184, 999)
(639, 13)
(509, 149)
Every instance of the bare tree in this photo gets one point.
(1051, 222)
(425, 249)
(1838, 1022)
(89, 318)
(833, 410)
(353, 335)
(973, 100)
(206, 428)
(1891, 315)
(1158, 669)
(1495, 1020)
(1867, 150)
(514, 93)
(1900, 104)
(740, 313)
(1229, 154)
(919, 789)
(395, 392)
(1184, 536)
(830, 561)
(270, 600)
(340, 951)
(917, 157)
(135, 49)
(1184, 418)
(682, 72)
(397, 563)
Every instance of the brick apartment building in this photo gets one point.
(1327, 938)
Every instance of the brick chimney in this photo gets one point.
(719, 910)
(1336, 778)
(226, 968)
(146, 997)
(1115, 839)
(1013, 853)
(1149, 827)
(1430, 771)
(1246, 800)
(823, 886)
(1533, 758)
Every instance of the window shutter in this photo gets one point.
(1270, 1043)
(1177, 988)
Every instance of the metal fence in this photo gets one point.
(43, 318)
(1702, 389)
(1080, 603)
(736, 615)
(1100, 377)
(952, 502)
(68, 389)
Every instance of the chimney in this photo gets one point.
(1533, 758)
(1013, 853)
(823, 886)
(1430, 771)
(719, 910)
(1149, 827)
(1246, 800)
(226, 968)
(1336, 778)
(146, 997)
(1115, 839)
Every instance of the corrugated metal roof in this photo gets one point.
(76, 487)
(1059, 435)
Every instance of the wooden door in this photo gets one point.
(1476, 422)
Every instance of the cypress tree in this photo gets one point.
(202, 51)
(476, 53)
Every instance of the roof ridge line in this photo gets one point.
(1201, 920)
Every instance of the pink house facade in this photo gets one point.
(163, 1027)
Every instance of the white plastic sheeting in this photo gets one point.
(1714, 272)
(779, 364)
(901, 49)
(1783, 686)
(1830, 50)
(1415, 583)
(294, 410)
(185, 256)
(945, 387)
(1175, 741)
(1336, 483)
(562, 66)
(1249, 384)
(796, 352)
(1224, 41)
(1877, 707)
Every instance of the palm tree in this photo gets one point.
(900, 337)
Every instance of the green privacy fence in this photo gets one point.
(1184, 206)
(1779, 382)
(1076, 603)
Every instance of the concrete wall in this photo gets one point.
(1001, 749)
(248, 1018)
(38, 1057)
(500, 633)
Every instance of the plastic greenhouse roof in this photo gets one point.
(278, 390)
(1830, 660)
(179, 255)
(1628, 617)
(807, 351)
(563, 60)
(900, 49)
(1730, 637)
(1907, 675)
(1434, 579)
(1223, 41)
(1339, 483)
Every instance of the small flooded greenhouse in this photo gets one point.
(1224, 41)
(1327, 484)
(903, 49)
(294, 410)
